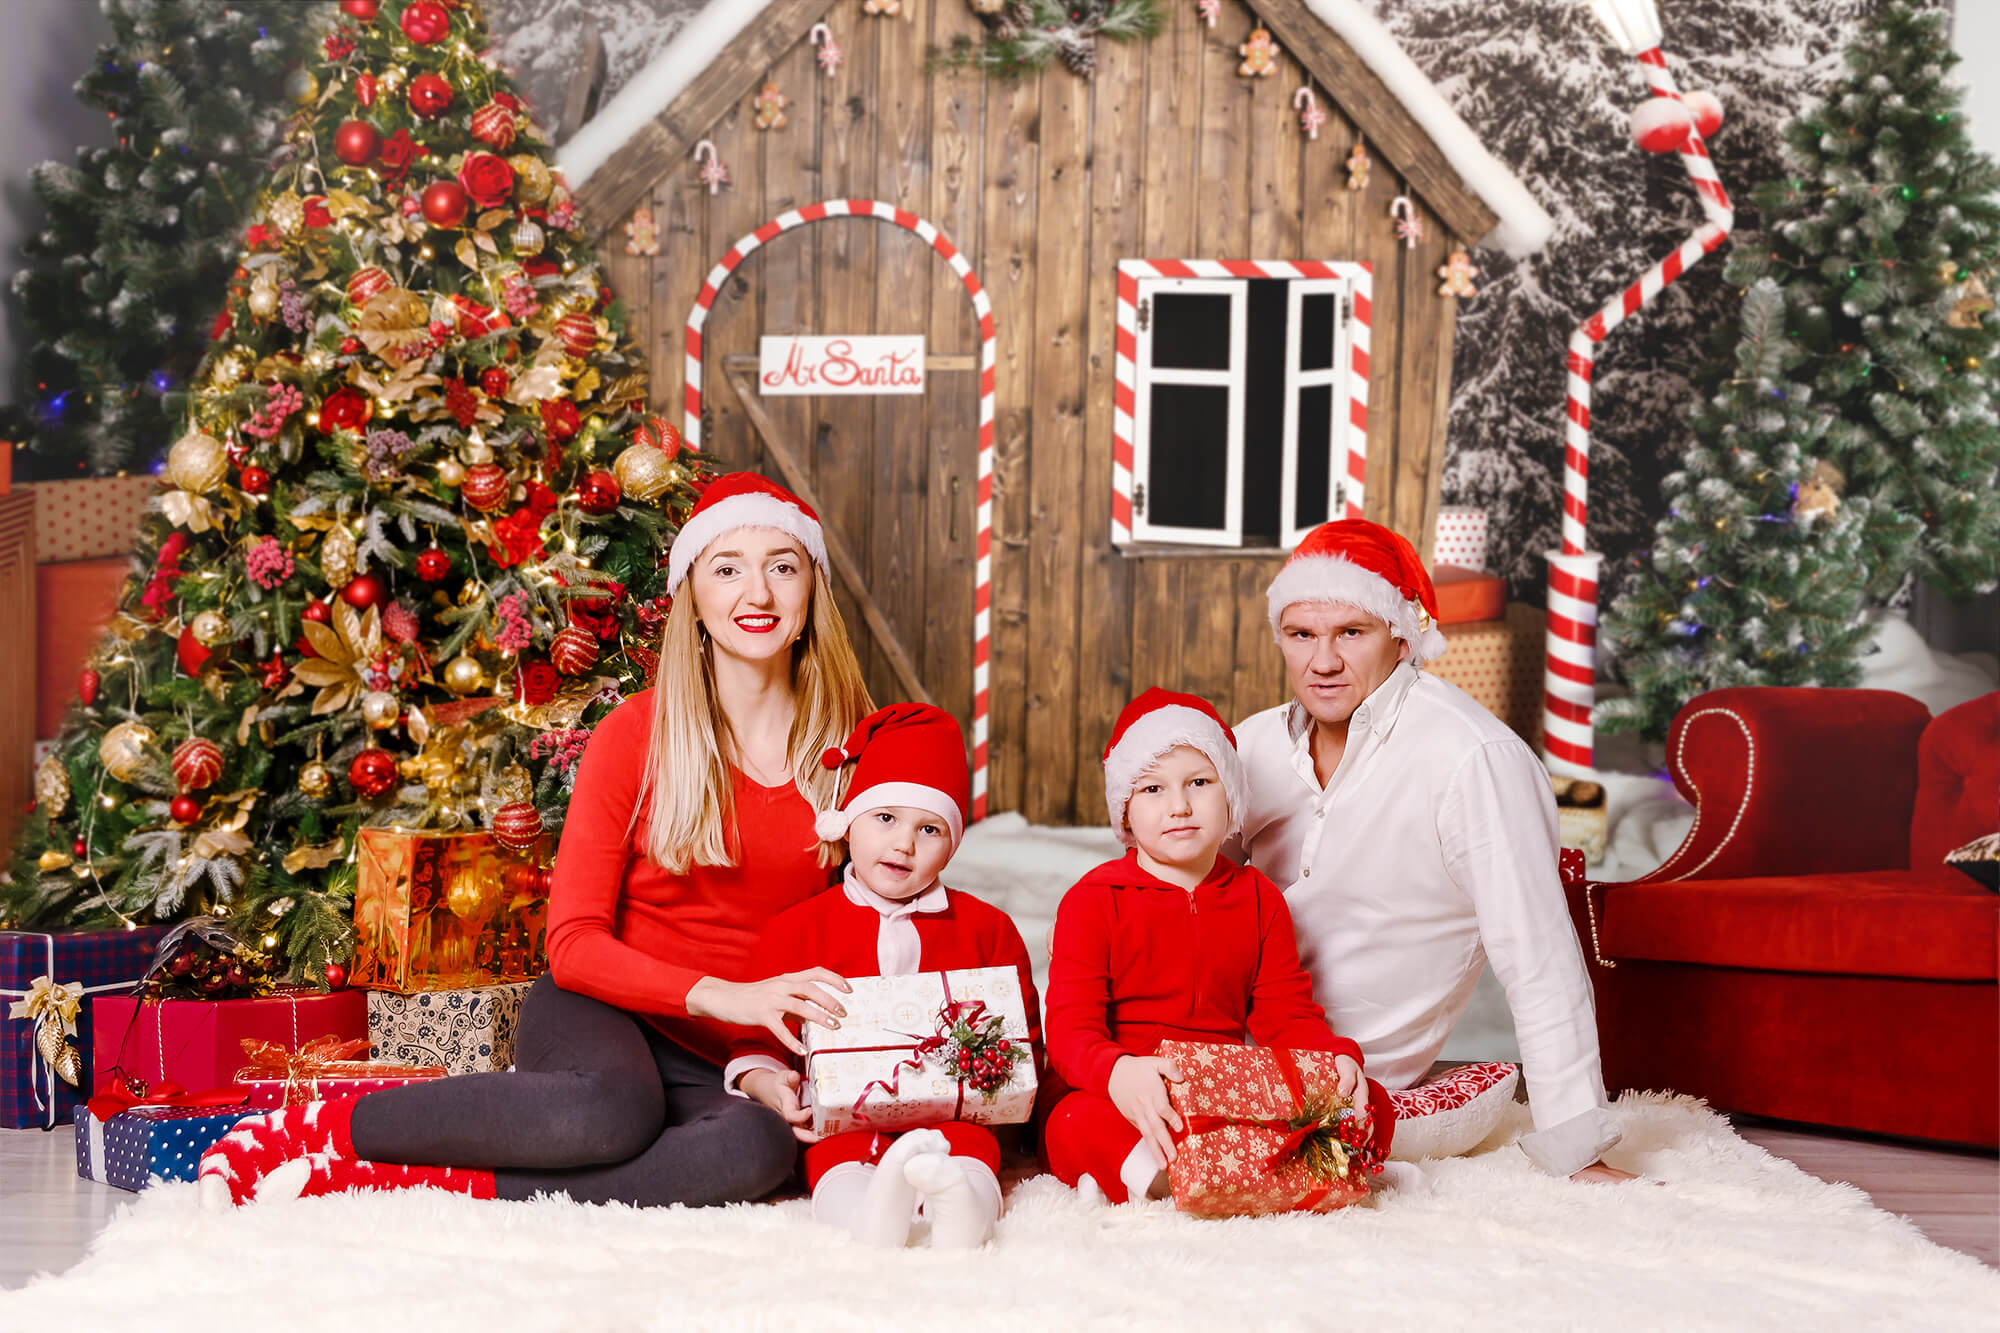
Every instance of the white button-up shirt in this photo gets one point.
(1430, 850)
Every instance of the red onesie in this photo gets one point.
(842, 929)
(1137, 960)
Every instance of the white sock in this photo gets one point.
(961, 1198)
(283, 1181)
(1406, 1177)
(1141, 1172)
(1090, 1191)
(838, 1198)
(892, 1200)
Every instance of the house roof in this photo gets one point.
(723, 51)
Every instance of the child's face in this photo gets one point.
(1178, 812)
(898, 850)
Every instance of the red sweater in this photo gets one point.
(832, 930)
(1137, 960)
(623, 930)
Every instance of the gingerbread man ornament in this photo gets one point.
(1458, 273)
(1260, 55)
(771, 104)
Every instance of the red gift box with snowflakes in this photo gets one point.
(199, 1043)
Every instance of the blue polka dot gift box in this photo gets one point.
(134, 1148)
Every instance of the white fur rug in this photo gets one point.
(1732, 1238)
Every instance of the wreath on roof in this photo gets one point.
(1025, 36)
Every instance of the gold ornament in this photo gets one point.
(395, 325)
(316, 780)
(301, 85)
(263, 301)
(227, 372)
(123, 749)
(528, 237)
(380, 709)
(210, 629)
(1973, 303)
(197, 463)
(51, 860)
(463, 674)
(474, 894)
(57, 1051)
(1820, 492)
(338, 556)
(287, 213)
(52, 786)
(643, 473)
(532, 179)
(476, 450)
(451, 472)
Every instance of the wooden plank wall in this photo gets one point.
(1045, 184)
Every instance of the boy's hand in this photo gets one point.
(780, 1092)
(1138, 1088)
(1351, 1085)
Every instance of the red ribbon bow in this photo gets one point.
(124, 1095)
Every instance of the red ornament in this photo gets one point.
(364, 89)
(184, 809)
(493, 125)
(493, 382)
(573, 650)
(660, 433)
(372, 772)
(362, 591)
(317, 610)
(367, 283)
(516, 825)
(255, 481)
(445, 203)
(336, 977)
(349, 346)
(365, 10)
(433, 564)
(560, 419)
(430, 94)
(192, 652)
(87, 682)
(598, 493)
(197, 762)
(578, 333)
(486, 486)
(355, 143)
(275, 672)
(79, 848)
(426, 22)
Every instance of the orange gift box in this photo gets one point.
(447, 911)
(1499, 663)
(74, 599)
(1467, 595)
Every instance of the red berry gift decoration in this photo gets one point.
(372, 772)
(978, 1051)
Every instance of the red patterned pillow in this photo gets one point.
(1453, 1113)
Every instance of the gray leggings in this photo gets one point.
(599, 1107)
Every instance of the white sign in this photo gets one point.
(841, 363)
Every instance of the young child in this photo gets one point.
(904, 816)
(1173, 940)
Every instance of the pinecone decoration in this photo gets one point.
(1077, 52)
(57, 1050)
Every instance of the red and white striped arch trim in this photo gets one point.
(982, 307)
(1130, 271)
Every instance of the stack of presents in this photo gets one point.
(155, 1042)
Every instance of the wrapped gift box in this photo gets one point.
(136, 1147)
(1461, 537)
(893, 1021)
(325, 1068)
(89, 516)
(1239, 1105)
(74, 600)
(86, 963)
(447, 911)
(199, 1043)
(1467, 595)
(1499, 663)
(465, 1031)
(1582, 819)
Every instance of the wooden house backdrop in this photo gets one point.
(1045, 184)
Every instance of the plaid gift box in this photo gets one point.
(82, 962)
(466, 1031)
(136, 1147)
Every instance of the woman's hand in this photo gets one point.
(780, 1092)
(768, 1003)
(1350, 1084)
(1138, 1088)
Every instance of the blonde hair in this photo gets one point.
(686, 789)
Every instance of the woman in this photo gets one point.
(690, 826)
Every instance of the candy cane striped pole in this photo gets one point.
(1570, 670)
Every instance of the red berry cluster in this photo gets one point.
(988, 1068)
(201, 969)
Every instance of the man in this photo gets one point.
(1415, 838)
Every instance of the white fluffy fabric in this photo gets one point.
(1153, 735)
(752, 510)
(1334, 578)
(1732, 1238)
(833, 824)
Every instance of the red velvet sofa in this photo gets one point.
(1806, 954)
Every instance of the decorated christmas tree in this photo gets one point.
(395, 575)
(1884, 238)
(128, 269)
(1758, 573)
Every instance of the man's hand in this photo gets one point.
(1138, 1088)
(1351, 1085)
(1598, 1173)
(780, 1092)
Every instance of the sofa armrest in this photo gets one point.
(1791, 781)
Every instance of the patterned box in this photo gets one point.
(445, 911)
(90, 516)
(133, 1148)
(466, 1031)
(1241, 1152)
(33, 969)
(1461, 537)
(1466, 596)
(199, 1043)
(1499, 663)
(891, 1064)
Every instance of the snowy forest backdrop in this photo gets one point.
(1549, 94)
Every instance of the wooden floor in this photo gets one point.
(48, 1216)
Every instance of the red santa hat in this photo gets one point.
(1156, 722)
(1362, 564)
(904, 754)
(742, 500)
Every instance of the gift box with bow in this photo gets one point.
(131, 1133)
(324, 1067)
(199, 1043)
(47, 1031)
(446, 911)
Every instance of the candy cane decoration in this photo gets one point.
(714, 174)
(982, 309)
(1570, 667)
(1409, 227)
(1208, 10)
(829, 53)
(1310, 116)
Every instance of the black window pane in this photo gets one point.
(1316, 335)
(1188, 483)
(1191, 330)
(1315, 458)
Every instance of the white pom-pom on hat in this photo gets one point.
(905, 754)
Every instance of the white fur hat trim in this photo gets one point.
(740, 511)
(1332, 578)
(832, 825)
(1152, 736)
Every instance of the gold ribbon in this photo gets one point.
(48, 999)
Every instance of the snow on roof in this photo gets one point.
(1524, 226)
